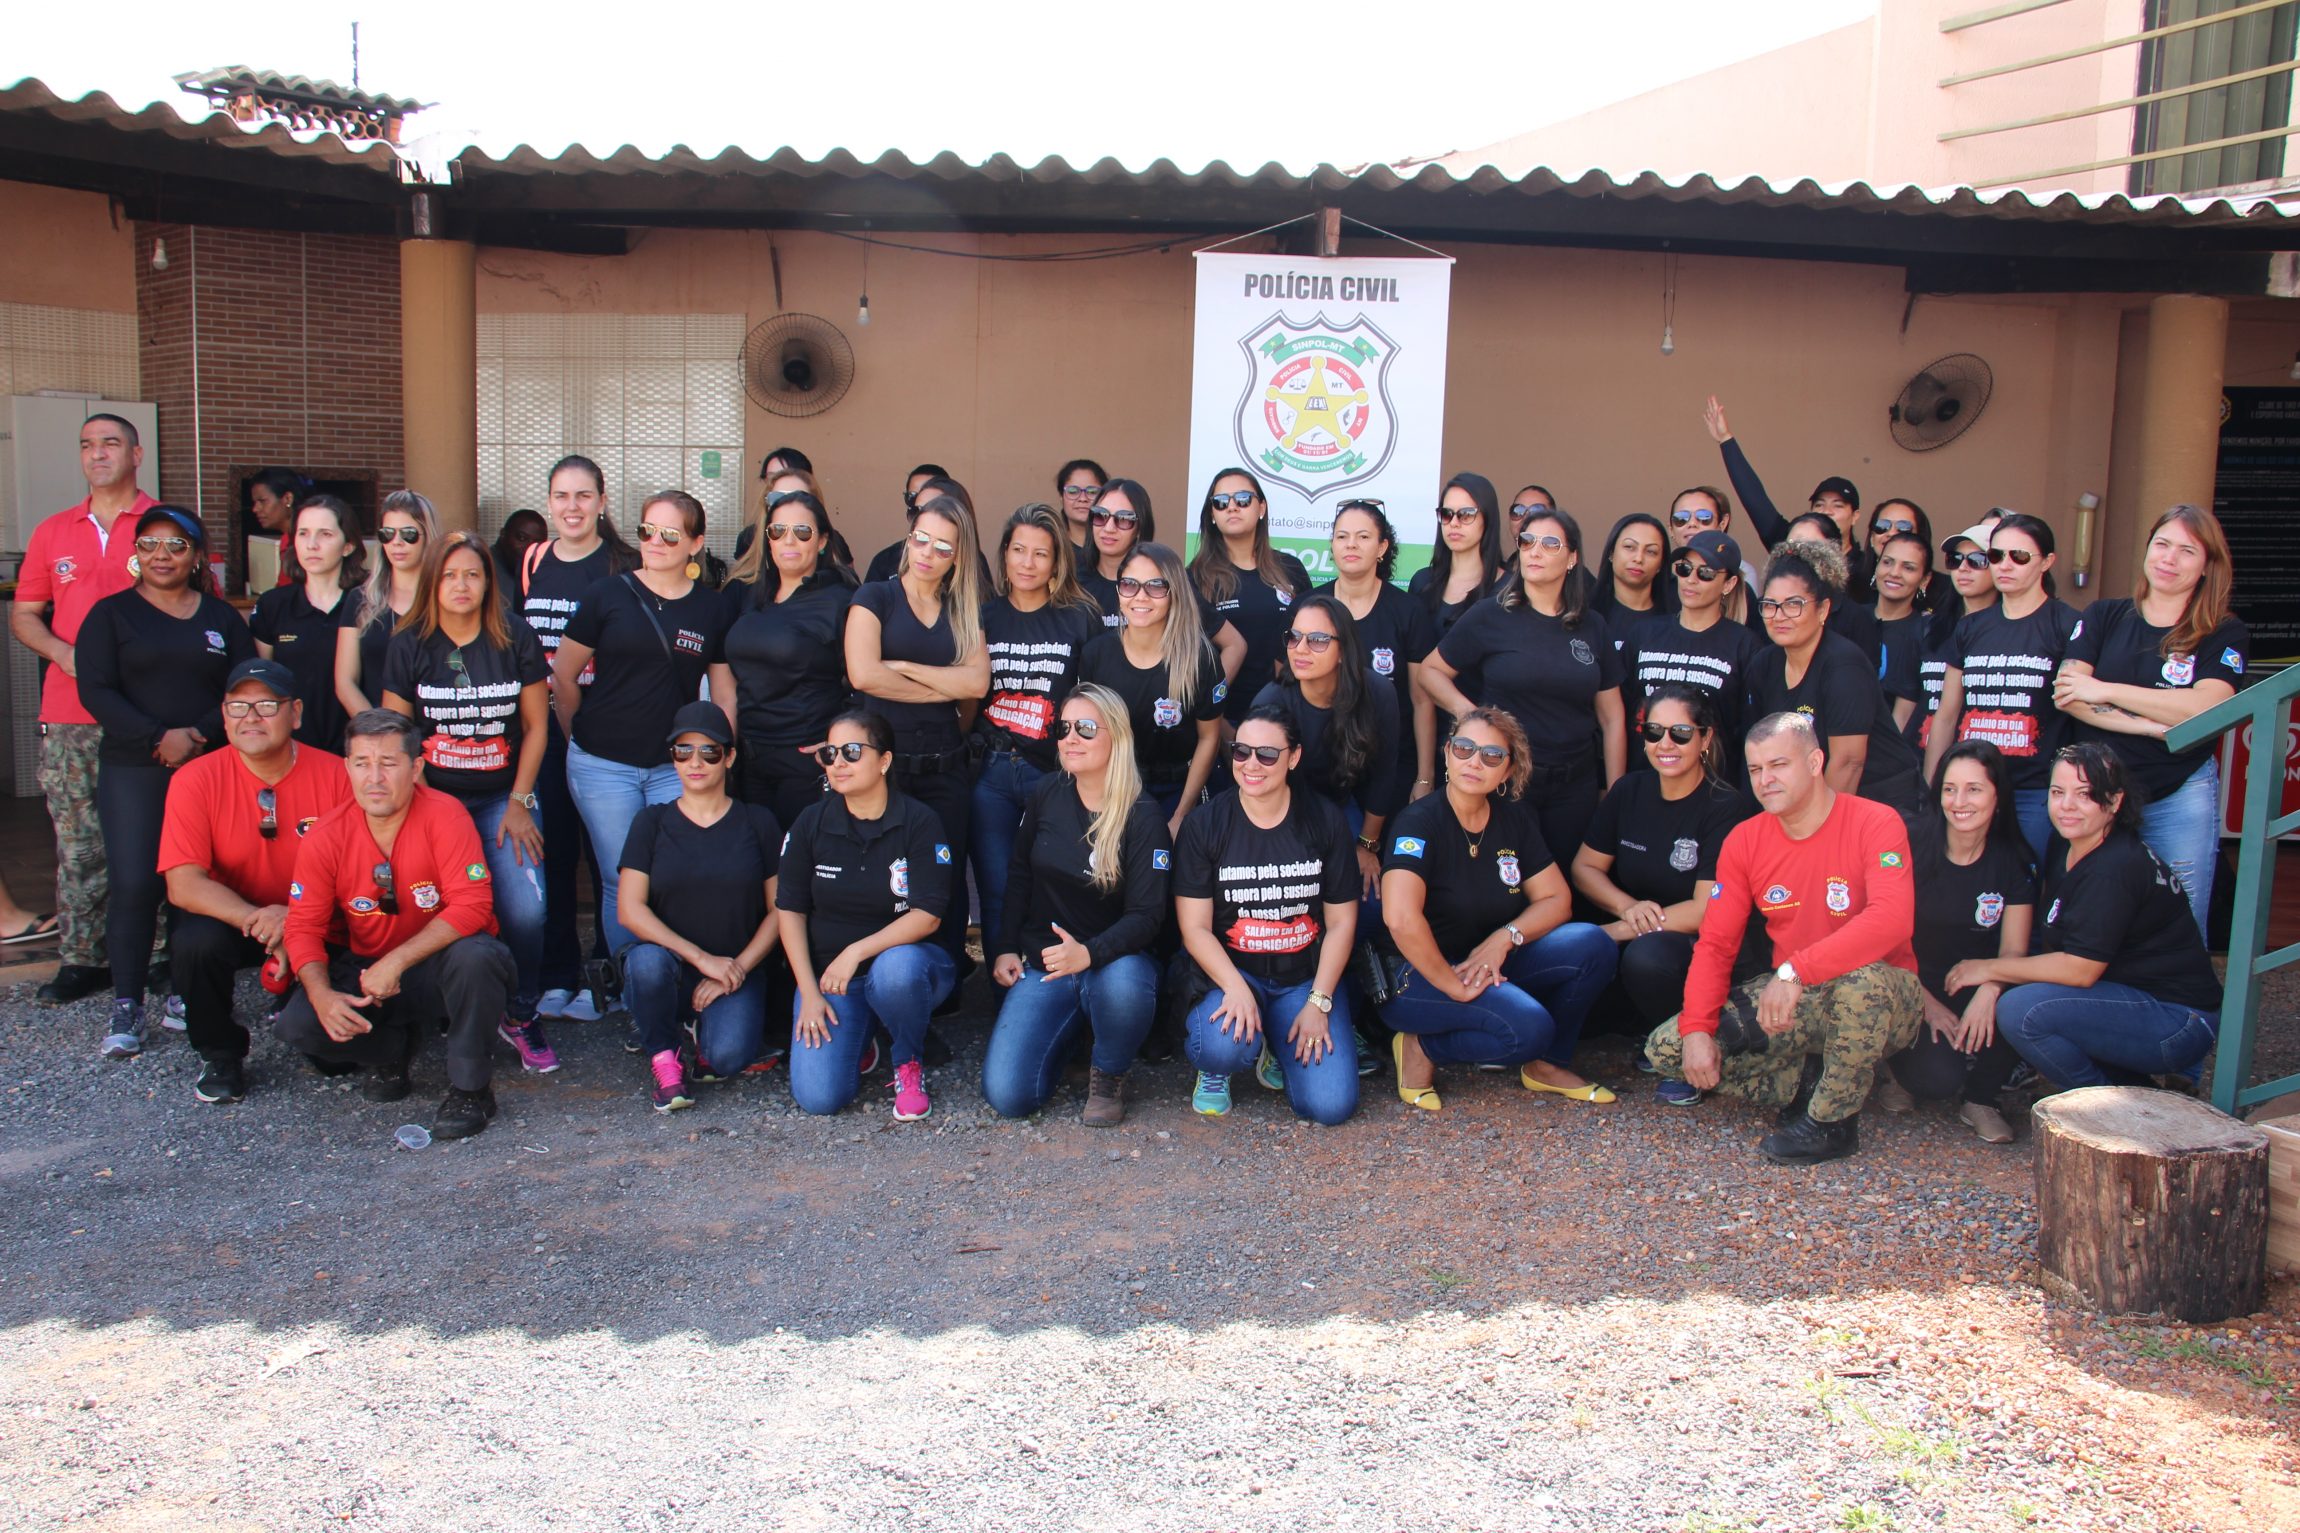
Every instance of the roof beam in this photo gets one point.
(104, 159)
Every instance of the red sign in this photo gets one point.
(2236, 761)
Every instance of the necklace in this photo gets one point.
(1473, 840)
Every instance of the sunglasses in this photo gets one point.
(1239, 498)
(1458, 514)
(777, 499)
(269, 802)
(1084, 729)
(1266, 754)
(1156, 585)
(1463, 748)
(383, 886)
(1789, 607)
(1694, 516)
(1081, 491)
(712, 754)
(1103, 516)
(261, 707)
(655, 532)
(1970, 559)
(852, 750)
(152, 545)
(1687, 570)
(803, 532)
(462, 671)
(1315, 643)
(1888, 524)
(925, 539)
(1548, 542)
(2021, 557)
(390, 535)
(1360, 505)
(1681, 733)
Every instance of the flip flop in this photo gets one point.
(42, 926)
(1413, 1096)
(1590, 1092)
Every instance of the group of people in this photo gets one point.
(1792, 827)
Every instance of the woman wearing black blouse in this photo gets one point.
(1162, 667)
(1251, 585)
(1119, 523)
(649, 640)
(1035, 629)
(299, 624)
(1632, 573)
(1820, 673)
(1467, 562)
(1346, 718)
(1086, 895)
(785, 650)
(1491, 968)
(1396, 631)
(407, 528)
(1537, 653)
(152, 663)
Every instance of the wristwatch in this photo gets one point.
(1788, 971)
(1369, 843)
(1322, 1001)
(1516, 937)
(526, 801)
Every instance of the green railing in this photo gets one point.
(2267, 707)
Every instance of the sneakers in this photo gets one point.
(223, 1080)
(1105, 1099)
(463, 1113)
(767, 1061)
(172, 1015)
(1677, 1093)
(535, 1052)
(1803, 1142)
(1212, 1097)
(574, 1005)
(1986, 1121)
(126, 1038)
(868, 1064)
(385, 1084)
(910, 1099)
(1268, 1073)
(670, 1082)
(1889, 1095)
(74, 981)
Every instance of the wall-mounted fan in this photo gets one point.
(797, 365)
(1941, 403)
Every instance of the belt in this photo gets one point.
(930, 761)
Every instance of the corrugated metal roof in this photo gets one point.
(32, 96)
(238, 77)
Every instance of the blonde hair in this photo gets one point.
(1183, 647)
(1121, 783)
(1062, 587)
(375, 598)
(962, 582)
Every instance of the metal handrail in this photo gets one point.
(2170, 93)
(2088, 49)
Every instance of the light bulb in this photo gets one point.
(862, 311)
(160, 263)
(1669, 340)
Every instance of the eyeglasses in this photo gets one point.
(1081, 491)
(269, 802)
(1239, 498)
(1548, 542)
(1970, 559)
(1268, 755)
(1463, 748)
(712, 754)
(408, 535)
(1688, 570)
(2021, 557)
(923, 539)
(1084, 729)
(1885, 524)
(1133, 585)
(1694, 516)
(1681, 733)
(384, 887)
(1315, 643)
(852, 750)
(462, 671)
(1103, 516)
(152, 545)
(802, 532)
(261, 707)
(1458, 513)
(778, 498)
(1789, 607)
(1361, 504)
(910, 500)
(655, 532)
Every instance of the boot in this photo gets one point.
(1808, 1143)
(1105, 1099)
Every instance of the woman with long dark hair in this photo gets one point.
(1900, 517)
(1699, 644)
(1900, 563)
(1076, 484)
(2138, 666)
(1467, 561)
(1249, 582)
(1120, 522)
(1160, 665)
(274, 497)
(521, 530)
(300, 623)
(785, 651)
(407, 529)
(1346, 719)
(1395, 630)
(1631, 573)
(1971, 590)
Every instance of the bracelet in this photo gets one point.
(1423, 782)
(1368, 843)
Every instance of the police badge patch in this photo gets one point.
(1507, 863)
(1385, 662)
(898, 878)
(1989, 909)
(1684, 854)
(1165, 713)
(1840, 896)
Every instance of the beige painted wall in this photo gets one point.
(64, 249)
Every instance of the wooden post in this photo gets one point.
(2149, 1202)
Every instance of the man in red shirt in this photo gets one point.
(235, 822)
(1830, 875)
(77, 557)
(391, 928)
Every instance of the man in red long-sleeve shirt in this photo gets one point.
(401, 869)
(1829, 873)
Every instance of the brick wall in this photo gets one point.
(297, 359)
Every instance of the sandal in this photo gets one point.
(42, 926)
(1423, 1097)
(1588, 1091)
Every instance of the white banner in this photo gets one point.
(1326, 378)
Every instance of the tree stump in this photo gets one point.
(2151, 1203)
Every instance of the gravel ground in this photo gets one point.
(1517, 1314)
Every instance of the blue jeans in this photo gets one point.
(1549, 986)
(609, 795)
(1000, 793)
(1325, 1092)
(2183, 829)
(1042, 1015)
(519, 904)
(898, 992)
(659, 990)
(2030, 809)
(2071, 1034)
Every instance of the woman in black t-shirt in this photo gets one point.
(1035, 628)
(649, 640)
(1086, 897)
(785, 650)
(1467, 561)
(299, 623)
(1819, 673)
(473, 676)
(1251, 585)
(698, 895)
(1346, 718)
(408, 529)
(1162, 666)
(2137, 667)
(1632, 574)
(2120, 987)
(1120, 523)
(1491, 968)
(1396, 630)
(1266, 895)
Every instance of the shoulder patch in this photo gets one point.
(476, 872)
(1716, 891)
(1162, 860)
(295, 891)
(2232, 659)
(1889, 859)
(1408, 846)
(1221, 691)
(942, 854)
(2078, 631)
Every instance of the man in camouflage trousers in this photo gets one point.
(1829, 875)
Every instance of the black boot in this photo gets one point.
(463, 1113)
(1805, 1142)
(73, 981)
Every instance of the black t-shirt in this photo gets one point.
(1050, 882)
(2122, 907)
(901, 636)
(1960, 910)
(374, 643)
(143, 673)
(1841, 693)
(1467, 898)
(2009, 664)
(708, 883)
(1715, 660)
(1442, 614)
(1380, 785)
(649, 658)
(1538, 671)
(1901, 670)
(1396, 634)
(1269, 887)
(2123, 647)
(887, 564)
(303, 639)
(1104, 590)
(467, 700)
(852, 877)
(1660, 848)
(789, 659)
(1033, 666)
(1165, 733)
(556, 587)
(1937, 652)
(1261, 613)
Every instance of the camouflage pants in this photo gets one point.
(68, 779)
(1854, 1022)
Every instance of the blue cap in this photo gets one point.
(183, 521)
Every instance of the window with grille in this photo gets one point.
(2250, 44)
(655, 399)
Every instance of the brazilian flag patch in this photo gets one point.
(1889, 860)
(476, 872)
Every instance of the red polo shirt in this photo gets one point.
(437, 870)
(70, 567)
(214, 822)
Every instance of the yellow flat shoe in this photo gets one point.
(1413, 1096)
(1592, 1092)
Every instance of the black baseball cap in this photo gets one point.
(703, 718)
(1721, 552)
(271, 673)
(1836, 484)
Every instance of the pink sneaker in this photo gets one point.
(910, 1099)
(670, 1082)
(535, 1051)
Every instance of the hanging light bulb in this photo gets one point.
(1669, 340)
(862, 311)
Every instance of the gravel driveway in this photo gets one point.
(1517, 1314)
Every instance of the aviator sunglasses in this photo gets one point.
(852, 751)
(1687, 570)
(711, 754)
(1084, 729)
